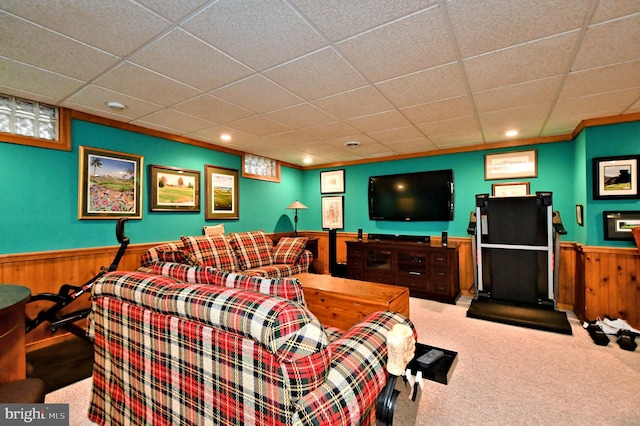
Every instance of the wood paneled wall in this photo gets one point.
(593, 281)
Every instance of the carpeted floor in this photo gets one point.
(504, 375)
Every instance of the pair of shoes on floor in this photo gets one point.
(612, 326)
(626, 340)
(597, 334)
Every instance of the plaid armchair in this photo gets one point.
(169, 352)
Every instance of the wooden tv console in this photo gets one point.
(429, 271)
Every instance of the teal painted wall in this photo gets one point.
(608, 141)
(40, 193)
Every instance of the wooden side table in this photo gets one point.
(13, 359)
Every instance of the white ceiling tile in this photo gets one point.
(455, 140)
(607, 10)
(518, 95)
(488, 25)
(144, 84)
(177, 121)
(339, 19)
(39, 84)
(361, 139)
(262, 33)
(213, 134)
(330, 131)
(605, 79)
(380, 121)
(411, 146)
(300, 116)
(317, 75)
(118, 27)
(609, 43)
(258, 126)
(172, 9)
(598, 105)
(532, 61)
(396, 135)
(467, 124)
(178, 51)
(426, 86)
(460, 106)
(95, 98)
(53, 51)
(355, 103)
(291, 138)
(257, 94)
(376, 150)
(529, 119)
(213, 109)
(385, 52)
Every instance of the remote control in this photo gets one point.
(430, 357)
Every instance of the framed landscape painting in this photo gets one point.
(222, 193)
(616, 177)
(109, 184)
(173, 189)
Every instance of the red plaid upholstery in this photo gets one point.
(289, 249)
(254, 249)
(167, 252)
(171, 353)
(211, 250)
(287, 288)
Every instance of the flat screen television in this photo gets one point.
(419, 196)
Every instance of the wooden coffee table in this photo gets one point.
(341, 302)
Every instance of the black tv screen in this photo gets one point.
(419, 196)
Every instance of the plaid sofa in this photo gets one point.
(169, 352)
(251, 253)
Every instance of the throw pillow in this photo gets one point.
(211, 250)
(253, 249)
(213, 229)
(289, 249)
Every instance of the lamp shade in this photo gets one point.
(297, 205)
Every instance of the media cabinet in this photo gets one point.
(429, 271)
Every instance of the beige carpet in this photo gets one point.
(505, 375)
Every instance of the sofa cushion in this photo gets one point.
(211, 250)
(166, 252)
(289, 249)
(253, 249)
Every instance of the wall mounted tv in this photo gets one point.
(419, 196)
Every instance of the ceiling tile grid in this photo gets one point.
(292, 79)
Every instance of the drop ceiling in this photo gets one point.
(290, 79)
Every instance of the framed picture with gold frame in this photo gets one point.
(109, 184)
(222, 193)
(173, 189)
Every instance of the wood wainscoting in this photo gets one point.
(593, 281)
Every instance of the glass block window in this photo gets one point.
(28, 118)
(257, 167)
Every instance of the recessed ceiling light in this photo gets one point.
(116, 106)
(225, 137)
(307, 160)
(511, 133)
(352, 144)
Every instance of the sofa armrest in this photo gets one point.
(305, 259)
(356, 376)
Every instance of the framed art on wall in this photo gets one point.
(510, 189)
(616, 177)
(332, 182)
(618, 224)
(509, 165)
(332, 212)
(222, 193)
(173, 189)
(109, 184)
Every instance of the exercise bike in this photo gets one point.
(69, 293)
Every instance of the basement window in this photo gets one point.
(28, 122)
(257, 167)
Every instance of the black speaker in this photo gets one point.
(445, 238)
(332, 250)
(359, 234)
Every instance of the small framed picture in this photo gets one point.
(173, 189)
(580, 214)
(510, 189)
(110, 184)
(616, 177)
(510, 165)
(332, 212)
(618, 225)
(222, 197)
(332, 182)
